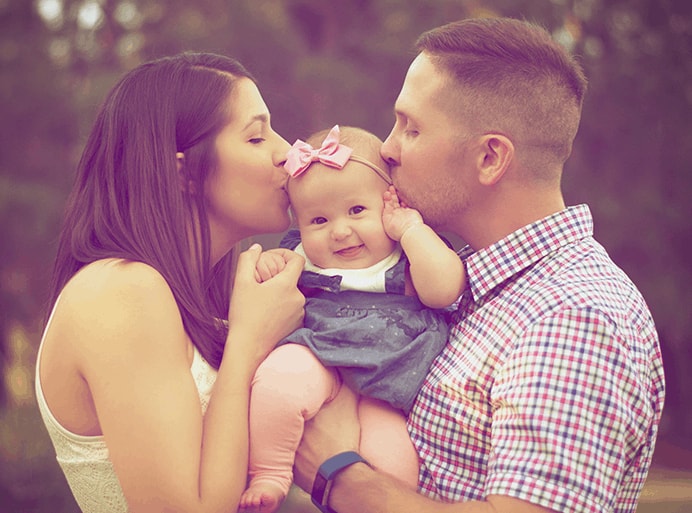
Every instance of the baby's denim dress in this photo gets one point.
(382, 343)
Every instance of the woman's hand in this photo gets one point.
(263, 313)
(271, 263)
(333, 430)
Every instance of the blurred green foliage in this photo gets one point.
(320, 63)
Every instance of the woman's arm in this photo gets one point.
(136, 364)
(437, 272)
(260, 314)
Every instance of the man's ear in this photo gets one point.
(496, 154)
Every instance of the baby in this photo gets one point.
(376, 278)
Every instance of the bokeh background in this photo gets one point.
(321, 62)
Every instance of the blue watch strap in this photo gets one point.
(328, 471)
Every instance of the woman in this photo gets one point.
(182, 164)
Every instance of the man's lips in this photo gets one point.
(350, 251)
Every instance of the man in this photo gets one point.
(549, 393)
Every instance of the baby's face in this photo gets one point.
(339, 214)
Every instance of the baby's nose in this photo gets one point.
(340, 231)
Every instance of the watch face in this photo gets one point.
(318, 495)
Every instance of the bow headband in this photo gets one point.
(333, 154)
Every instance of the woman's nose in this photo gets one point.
(280, 151)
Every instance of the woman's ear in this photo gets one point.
(180, 160)
(497, 152)
(185, 184)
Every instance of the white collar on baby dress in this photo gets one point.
(369, 279)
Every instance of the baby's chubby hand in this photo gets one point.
(272, 262)
(396, 216)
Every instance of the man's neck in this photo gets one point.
(502, 216)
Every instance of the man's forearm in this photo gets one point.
(361, 489)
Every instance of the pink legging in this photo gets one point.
(289, 388)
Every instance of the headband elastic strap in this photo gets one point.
(379, 171)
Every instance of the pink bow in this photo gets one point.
(331, 154)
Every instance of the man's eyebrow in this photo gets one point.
(262, 118)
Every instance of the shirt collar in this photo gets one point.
(369, 279)
(491, 266)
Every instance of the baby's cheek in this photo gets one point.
(315, 247)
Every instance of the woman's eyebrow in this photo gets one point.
(262, 118)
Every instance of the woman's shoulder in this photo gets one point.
(111, 279)
(113, 274)
(128, 307)
(120, 288)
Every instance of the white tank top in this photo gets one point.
(84, 459)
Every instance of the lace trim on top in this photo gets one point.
(85, 459)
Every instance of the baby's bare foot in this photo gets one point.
(261, 498)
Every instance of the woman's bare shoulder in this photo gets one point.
(115, 276)
(119, 299)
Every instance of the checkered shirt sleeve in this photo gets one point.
(551, 387)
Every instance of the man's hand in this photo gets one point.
(333, 430)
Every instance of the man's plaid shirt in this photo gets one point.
(551, 386)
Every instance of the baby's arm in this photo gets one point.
(437, 272)
(271, 263)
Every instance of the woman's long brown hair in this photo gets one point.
(131, 201)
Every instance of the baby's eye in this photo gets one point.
(357, 209)
(256, 140)
(318, 220)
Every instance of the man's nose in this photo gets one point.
(390, 150)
